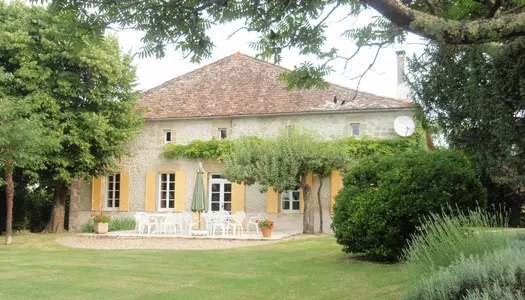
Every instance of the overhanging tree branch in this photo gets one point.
(450, 31)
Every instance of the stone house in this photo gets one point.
(235, 96)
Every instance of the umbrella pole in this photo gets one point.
(200, 220)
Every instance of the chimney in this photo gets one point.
(402, 90)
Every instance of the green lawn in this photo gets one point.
(36, 267)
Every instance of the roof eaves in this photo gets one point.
(352, 111)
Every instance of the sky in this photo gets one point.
(381, 80)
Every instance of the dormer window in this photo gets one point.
(223, 133)
(167, 136)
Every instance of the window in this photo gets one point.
(166, 191)
(355, 129)
(167, 136)
(290, 201)
(220, 194)
(113, 191)
(223, 133)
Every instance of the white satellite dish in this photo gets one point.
(404, 126)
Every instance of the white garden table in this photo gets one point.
(160, 219)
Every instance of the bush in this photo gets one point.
(122, 224)
(114, 225)
(495, 275)
(88, 226)
(385, 197)
(442, 240)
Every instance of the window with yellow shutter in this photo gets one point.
(166, 191)
(112, 195)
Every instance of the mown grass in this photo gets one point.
(36, 267)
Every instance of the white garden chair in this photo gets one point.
(187, 220)
(237, 219)
(137, 221)
(172, 221)
(208, 221)
(146, 223)
(219, 220)
(253, 221)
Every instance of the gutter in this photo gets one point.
(287, 114)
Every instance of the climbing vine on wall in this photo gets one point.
(217, 149)
(212, 149)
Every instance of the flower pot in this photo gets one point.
(100, 228)
(267, 232)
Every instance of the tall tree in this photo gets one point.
(302, 25)
(282, 163)
(24, 141)
(478, 102)
(86, 93)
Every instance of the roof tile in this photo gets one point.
(241, 85)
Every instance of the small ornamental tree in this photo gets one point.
(282, 162)
(330, 156)
(385, 198)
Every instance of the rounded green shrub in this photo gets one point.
(385, 198)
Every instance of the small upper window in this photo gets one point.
(356, 130)
(290, 128)
(167, 136)
(223, 133)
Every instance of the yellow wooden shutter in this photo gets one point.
(238, 197)
(272, 201)
(180, 191)
(124, 191)
(151, 179)
(97, 186)
(309, 182)
(336, 184)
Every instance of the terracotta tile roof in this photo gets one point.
(242, 85)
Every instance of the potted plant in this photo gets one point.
(266, 227)
(100, 223)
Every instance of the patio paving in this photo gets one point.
(132, 240)
(248, 236)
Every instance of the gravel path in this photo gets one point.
(109, 243)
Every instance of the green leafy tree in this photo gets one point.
(24, 141)
(282, 162)
(84, 91)
(478, 103)
(301, 24)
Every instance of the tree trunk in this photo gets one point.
(56, 222)
(9, 195)
(319, 200)
(308, 215)
(429, 141)
(305, 216)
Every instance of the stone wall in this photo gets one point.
(148, 145)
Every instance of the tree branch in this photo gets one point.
(366, 71)
(494, 8)
(450, 31)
